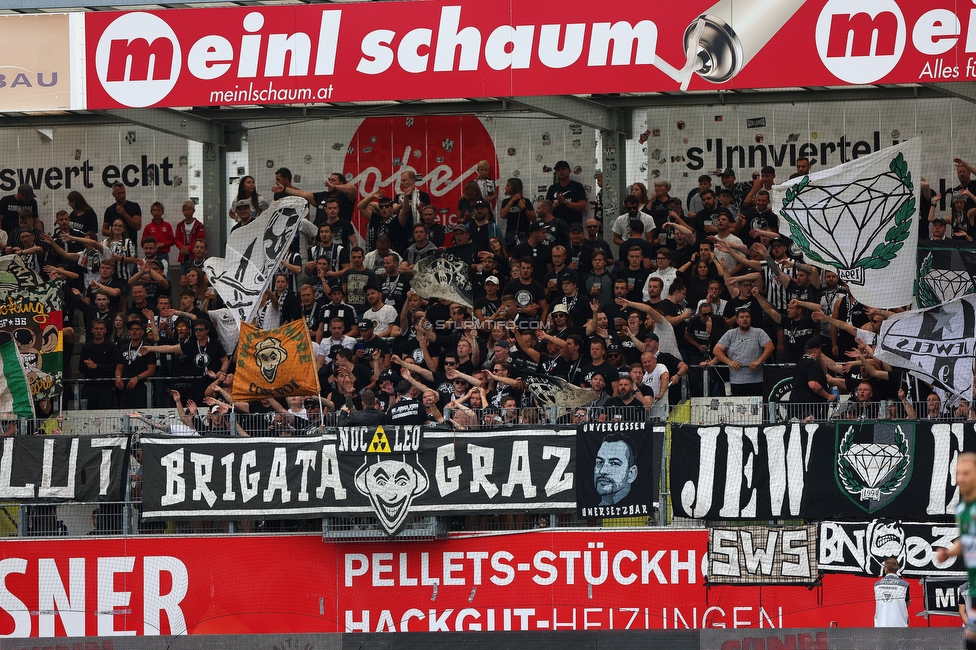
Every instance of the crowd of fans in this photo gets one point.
(708, 286)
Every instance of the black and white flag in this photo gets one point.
(442, 276)
(253, 253)
(556, 391)
(934, 344)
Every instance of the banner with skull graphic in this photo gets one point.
(275, 363)
(253, 252)
(862, 547)
(858, 219)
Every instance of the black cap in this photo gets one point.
(385, 200)
(576, 226)
(26, 190)
(388, 375)
(728, 171)
(561, 164)
(613, 347)
(776, 241)
(812, 343)
(366, 324)
(135, 319)
(569, 275)
(536, 226)
(480, 204)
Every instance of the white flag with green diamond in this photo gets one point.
(858, 219)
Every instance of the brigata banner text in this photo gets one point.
(439, 49)
(393, 472)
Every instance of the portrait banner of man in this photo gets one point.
(614, 464)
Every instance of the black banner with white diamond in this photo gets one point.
(847, 471)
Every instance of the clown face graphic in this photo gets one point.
(391, 486)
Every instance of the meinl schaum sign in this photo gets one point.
(848, 471)
(392, 472)
(439, 49)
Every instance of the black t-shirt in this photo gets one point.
(342, 310)
(574, 191)
(86, 222)
(203, 357)
(557, 233)
(750, 303)
(106, 357)
(647, 249)
(807, 369)
(541, 257)
(518, 222)
(488, 307)
(808, 293)
(10, 208)
(407, 411)
(345, 207)
(395, 288)
(375, 343)
(131, 208)
(635, 281)
(633, 411)
(134, 363)
(526, 294)
(756, 220)
(607, 369)
(795, 334)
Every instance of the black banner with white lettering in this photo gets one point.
(943, 597)
(63, 468)
(863, 546)
(762, 555)
(456, 473)
(848, 471)
(616, 469)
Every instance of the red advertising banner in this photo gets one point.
(434, 50)
(545, 580)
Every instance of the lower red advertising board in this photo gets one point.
(545, 580)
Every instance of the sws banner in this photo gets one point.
(843, 470)
(762, 555)
(392, 472)
(862, 547)
(64, 468)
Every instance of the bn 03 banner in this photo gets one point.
(862, 547)
(392, 472)
(762, 555)
(64, 468)
(844, 470)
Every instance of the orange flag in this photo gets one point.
(275, 363)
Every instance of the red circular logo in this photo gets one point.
(443, 150)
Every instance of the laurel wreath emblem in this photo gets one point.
(848, 475)
(895, 237)
(923, 292)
